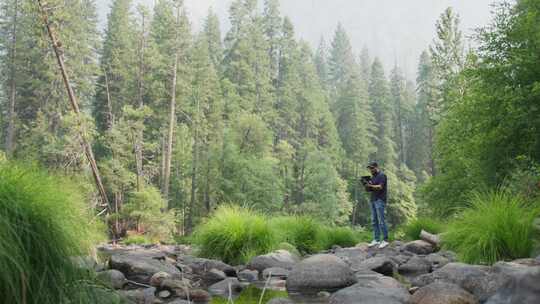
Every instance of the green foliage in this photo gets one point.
(496, 226)
(234, 235)
(43, 225)
(144, 212)
(341, 236)
(252, 295)
(413, 228)
(136, 239)
(302, 232)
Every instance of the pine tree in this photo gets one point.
(212, 33)
(398, 102)
(117, 86)
(382, 110)
(447, 56)
(321, 63)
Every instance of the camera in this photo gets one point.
(365, 180)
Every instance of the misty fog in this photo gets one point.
(396, 31)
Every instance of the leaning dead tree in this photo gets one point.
(57, 46)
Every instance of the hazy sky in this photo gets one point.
(394, 30)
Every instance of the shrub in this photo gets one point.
(252, 295)
(413, 228)
(341, 236)
(302, 232)
(43, 224)
(496, 226)
(234, 235)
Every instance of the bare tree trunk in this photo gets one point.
(172, 115)
(10, 134)
(75, 106)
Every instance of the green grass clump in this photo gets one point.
(302, 232)
(252, 295)
(341, 236)
(136, 239)
(44, 223)
(234, 235)
(496, 226)
(413, 228)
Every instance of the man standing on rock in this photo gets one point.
(378, 188)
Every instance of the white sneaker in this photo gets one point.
(383, 244)
(373, 243)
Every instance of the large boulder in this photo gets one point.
(419, 247)
(380, 264)
(322, 272)
(442, 293)
(416, 265)
(481, 281)
(374, 290)
(279, 258)
(140, 267)
(521, 287)
(438, 260)
(112, 278)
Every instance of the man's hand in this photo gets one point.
(374, 187)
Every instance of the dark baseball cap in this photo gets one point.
(373, 165)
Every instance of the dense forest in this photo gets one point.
(154, 163)
(182, 121)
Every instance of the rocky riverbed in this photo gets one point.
(402, 273)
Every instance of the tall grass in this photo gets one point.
(496, 226)
(234, 235)
(413, 228)
(43, 223)
(302, 232)
(341, 236)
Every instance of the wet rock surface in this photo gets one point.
(409, 273)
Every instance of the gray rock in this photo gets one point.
(229, 285)
(280, 301)
(112, 278)
(139, 296)
(352, 256)
(478, 280)
(415, 266)
(199, 296)
(278, 258)
(178, 287)
(179, 301)
(213, 276)
(201, 265)
(158, 278)
(419, 247)
(380, 264)
(140, 267)
(276, 272)
(322, 272)
(381, 290)
(442, 293)
(248, 275)
(521, 287)
(437, 260)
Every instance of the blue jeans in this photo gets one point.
(377, 218)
